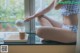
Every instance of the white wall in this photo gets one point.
(78, 36)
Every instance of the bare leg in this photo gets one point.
(45, 21)
(56, 34)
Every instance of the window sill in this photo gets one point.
(13, 37)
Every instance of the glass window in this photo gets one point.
(10, 11)
(41, 4)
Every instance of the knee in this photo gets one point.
(40, 32)
(41, 16)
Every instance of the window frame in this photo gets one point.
(30, 10)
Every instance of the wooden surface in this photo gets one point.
(42, 49)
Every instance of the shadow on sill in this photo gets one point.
(49, 42)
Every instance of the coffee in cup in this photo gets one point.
(22, 35)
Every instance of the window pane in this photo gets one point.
(53, 14)
(10, 11)
(41, 4)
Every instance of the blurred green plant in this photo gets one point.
(11, 10)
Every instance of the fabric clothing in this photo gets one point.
(69, 9)
(73, 28)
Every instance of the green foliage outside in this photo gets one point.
(11, 10)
